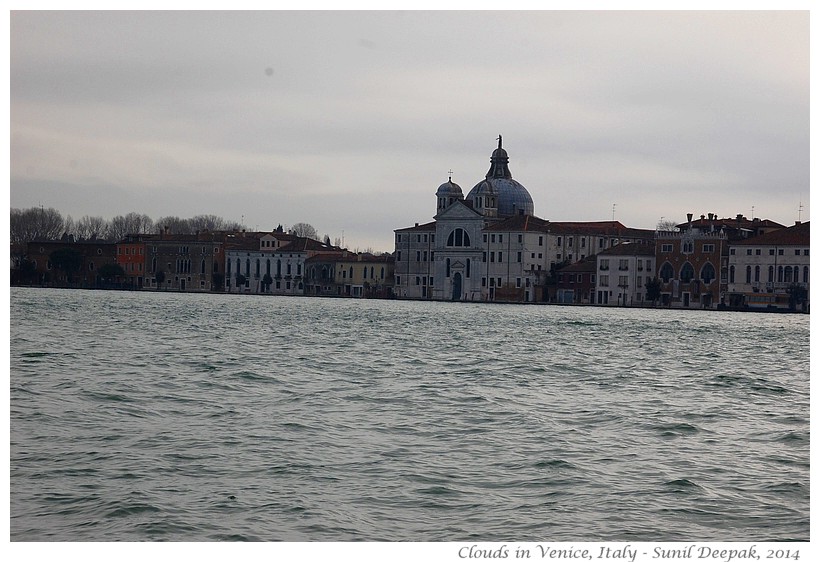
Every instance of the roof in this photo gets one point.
(797, 235)
(426, 227)
(629, 249)
(587, 264)
(521, 223)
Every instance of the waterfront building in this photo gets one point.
(691, 265)
(131, 258)
(770, 270)
(622, 273)
(490, 246)
(346, 274)
(185, 262)
(270, 263)
(576, 282)
(82, 259)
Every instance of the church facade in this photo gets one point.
(490, 246)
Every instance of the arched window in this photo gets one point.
(707, 273)
(796, 274)
(757, 273)
(458, 238)
(447, 274)
(248, 267)
(238, 267)
(382, 277)
(667, 272)
(780, 274)
(731, 274)
(202, 267)
(805, 274)
(257, 267)
(267, 266)
(351, 272)
(153, 265)
(788, 278)
(371, 272)
(771, 274)
(687, 272)
(279, 267)
(748, 274)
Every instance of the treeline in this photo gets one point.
(38, 223)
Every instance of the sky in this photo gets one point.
(350, 120)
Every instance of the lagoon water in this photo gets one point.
(182, 417)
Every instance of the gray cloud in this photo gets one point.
(350, 120)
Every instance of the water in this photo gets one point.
(180, 417)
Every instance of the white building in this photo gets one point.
(490, 245)
(622, 273)
(765, 270)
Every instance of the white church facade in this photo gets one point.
(490, 246)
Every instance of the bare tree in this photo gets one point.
(35, 223)
(175, 225)
(304, 230)
(212, 222)
(88, 228)
(667, 225)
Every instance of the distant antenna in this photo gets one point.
(753, 212)
(800, 212)
(613, 211)
(451, 174)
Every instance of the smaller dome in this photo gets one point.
(449, 189)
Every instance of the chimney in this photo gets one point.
(710, 216)
(688, 217)
(797, 223)
(702, 217)
(740, 217)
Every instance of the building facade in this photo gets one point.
(490, 246)
(771, 271)
(622, 273)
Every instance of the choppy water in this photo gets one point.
(144, 416)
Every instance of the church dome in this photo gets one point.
(449, 189)
(510, 198)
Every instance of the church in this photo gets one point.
(490, 246)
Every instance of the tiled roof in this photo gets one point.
(797, 235)
(585, 265)
(426, 227)
(635, 249)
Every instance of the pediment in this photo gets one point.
(457, 210)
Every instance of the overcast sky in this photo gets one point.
(351, 120)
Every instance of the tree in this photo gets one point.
(798, 295)
(267, 280)
(132, 223)
(67, 260)
(304, 230)
(90, 228)
(653, 289)
(667, 225)
(175, 225)
(35, 223)
(110, 271)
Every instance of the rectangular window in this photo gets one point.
(666, 247)
(485, 238)
(398, 280)
(418, 280)
(732, 252)
(806, 252)
(518, 256)
(484, 257)
(483, 281)
(492, 281)
(520, 238)
(569, 242)
(424, 255)
(559, 240)
(418, 237)
(749, 252)
(583, 242)
(492, 238)
(604, 280)
(757, 251)
(623, 265)
(500, 257)
(604, 265)
(425, 238)
(517, 282)
(418, 255)
(797, 252)
(500, 238)
(708, 248)
(492, 257)
(780, 252)
(623, 281)
(540, 240)
(398, 255)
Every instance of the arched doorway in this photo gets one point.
(457, 287)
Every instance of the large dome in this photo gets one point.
(511, 197)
